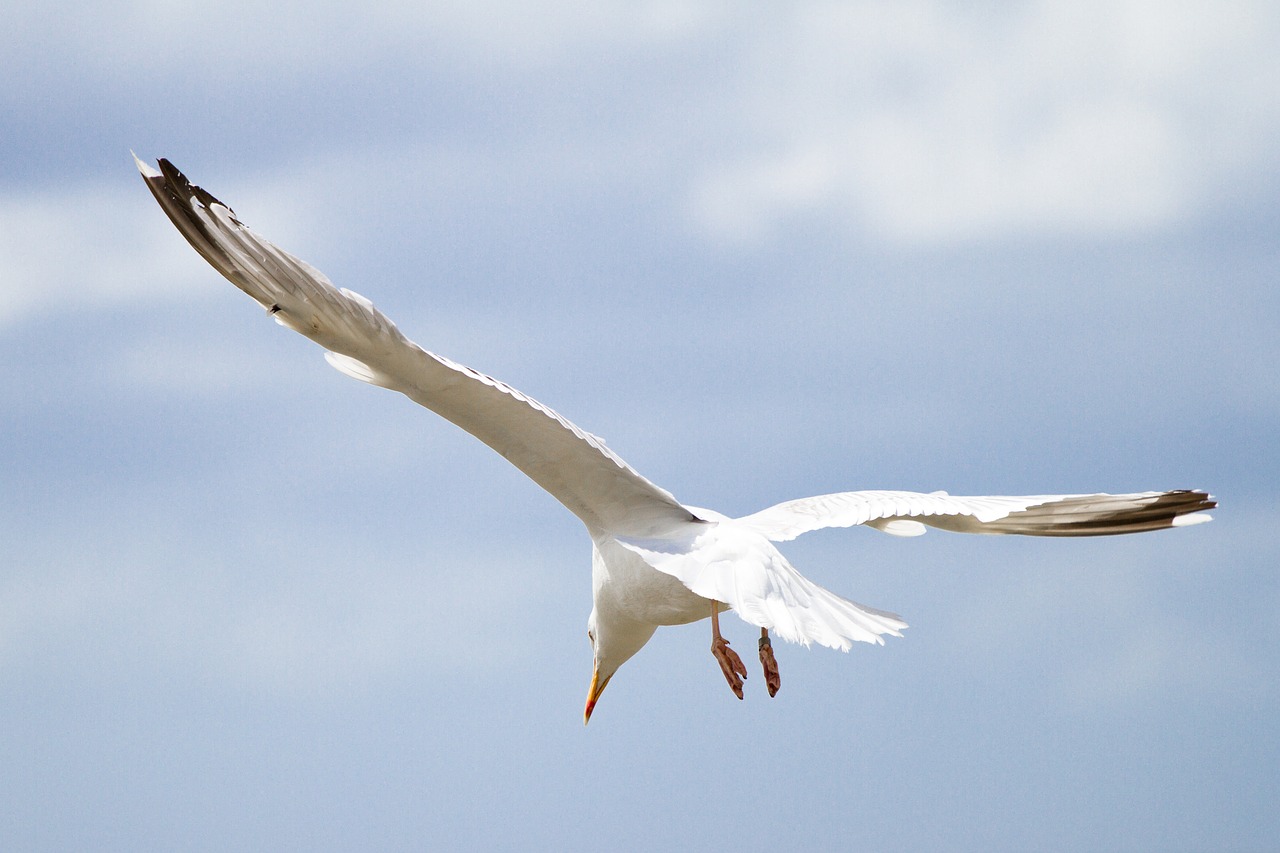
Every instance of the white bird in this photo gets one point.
(655, 561)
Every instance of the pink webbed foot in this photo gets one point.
(730, 664)
(772, 680)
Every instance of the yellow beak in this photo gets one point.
(593, 695)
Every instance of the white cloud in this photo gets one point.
(60, 251)
(914, 122)
(234, 40)
(944, 122)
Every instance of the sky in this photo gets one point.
(765, 250)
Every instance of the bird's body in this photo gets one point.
(655, 561)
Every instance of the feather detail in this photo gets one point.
(733, 564)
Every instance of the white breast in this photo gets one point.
(626, 585)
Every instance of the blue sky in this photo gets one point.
(766, 252)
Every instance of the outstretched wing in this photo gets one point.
(907, 513)
(734, 560)
(573, 465)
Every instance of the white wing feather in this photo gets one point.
(570, 463)
(906, 513)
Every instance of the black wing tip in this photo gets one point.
(1160, 511)
(177, 186)
(174, 179)
(171, 172)
(1084, 518)
(1189, 500)
(185, 205)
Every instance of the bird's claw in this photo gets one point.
(730, 664)
(772, 680)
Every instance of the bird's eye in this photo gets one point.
(591, 635)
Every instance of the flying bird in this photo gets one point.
(655, 561)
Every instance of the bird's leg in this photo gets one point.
(771, 678)
(730, 664)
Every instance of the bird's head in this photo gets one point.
(613, 642)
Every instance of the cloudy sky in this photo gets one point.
(767, 251)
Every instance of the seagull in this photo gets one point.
(655, 561)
